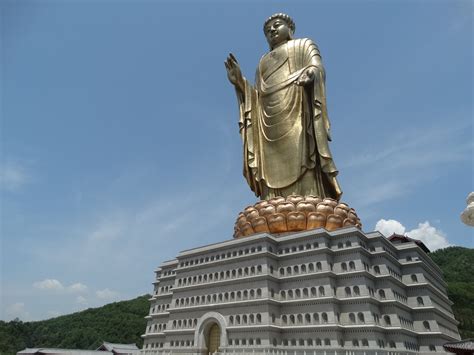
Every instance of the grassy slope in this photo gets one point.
(121, 322)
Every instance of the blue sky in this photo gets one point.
(120, 146)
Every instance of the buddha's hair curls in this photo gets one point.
(289, 21)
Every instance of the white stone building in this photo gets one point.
(311, 292)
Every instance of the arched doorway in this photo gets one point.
(210, 322)
(213, 338)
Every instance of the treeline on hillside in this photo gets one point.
(118, 322)
(123, 322)
(457, 264)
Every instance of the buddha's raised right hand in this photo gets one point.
(233, 73)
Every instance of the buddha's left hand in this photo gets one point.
(306, 78)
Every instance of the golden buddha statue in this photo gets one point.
(283, 118)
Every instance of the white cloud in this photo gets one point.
(54, 313)
(13, 176)
(106, 231)
(432, 237)
(49, 284)
(386, 169)
(81, 300)
(17, 310)
(77, 287)
(389, 227)
(429, 235)
(56, 285)
(380, 192)
(106, 294)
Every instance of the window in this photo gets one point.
(344, 267)
(426, 325)
(377, 270)
(387, 320)
(321, 291)
(352, 265)
(382, 294)
(324, 317)
(361, 317)
(414, 278)
(352, 318)
(348, 291)
(420, 302)
(356, 290)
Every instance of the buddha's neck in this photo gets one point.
(279, 45)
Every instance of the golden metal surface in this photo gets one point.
(294, 213)
(214, 339)
(283, 118)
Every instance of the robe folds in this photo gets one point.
(285, 127)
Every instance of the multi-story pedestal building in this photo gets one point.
(311, 292)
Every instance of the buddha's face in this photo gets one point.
(277, 32)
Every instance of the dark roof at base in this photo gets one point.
(462, 345)
(398, 238)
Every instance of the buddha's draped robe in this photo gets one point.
(285, 127)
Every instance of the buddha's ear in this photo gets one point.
(292, 33)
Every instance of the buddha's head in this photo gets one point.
(278, 29)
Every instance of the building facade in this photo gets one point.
(311, 292)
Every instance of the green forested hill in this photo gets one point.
(119, 322)
(123, 322)
(457, 264)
